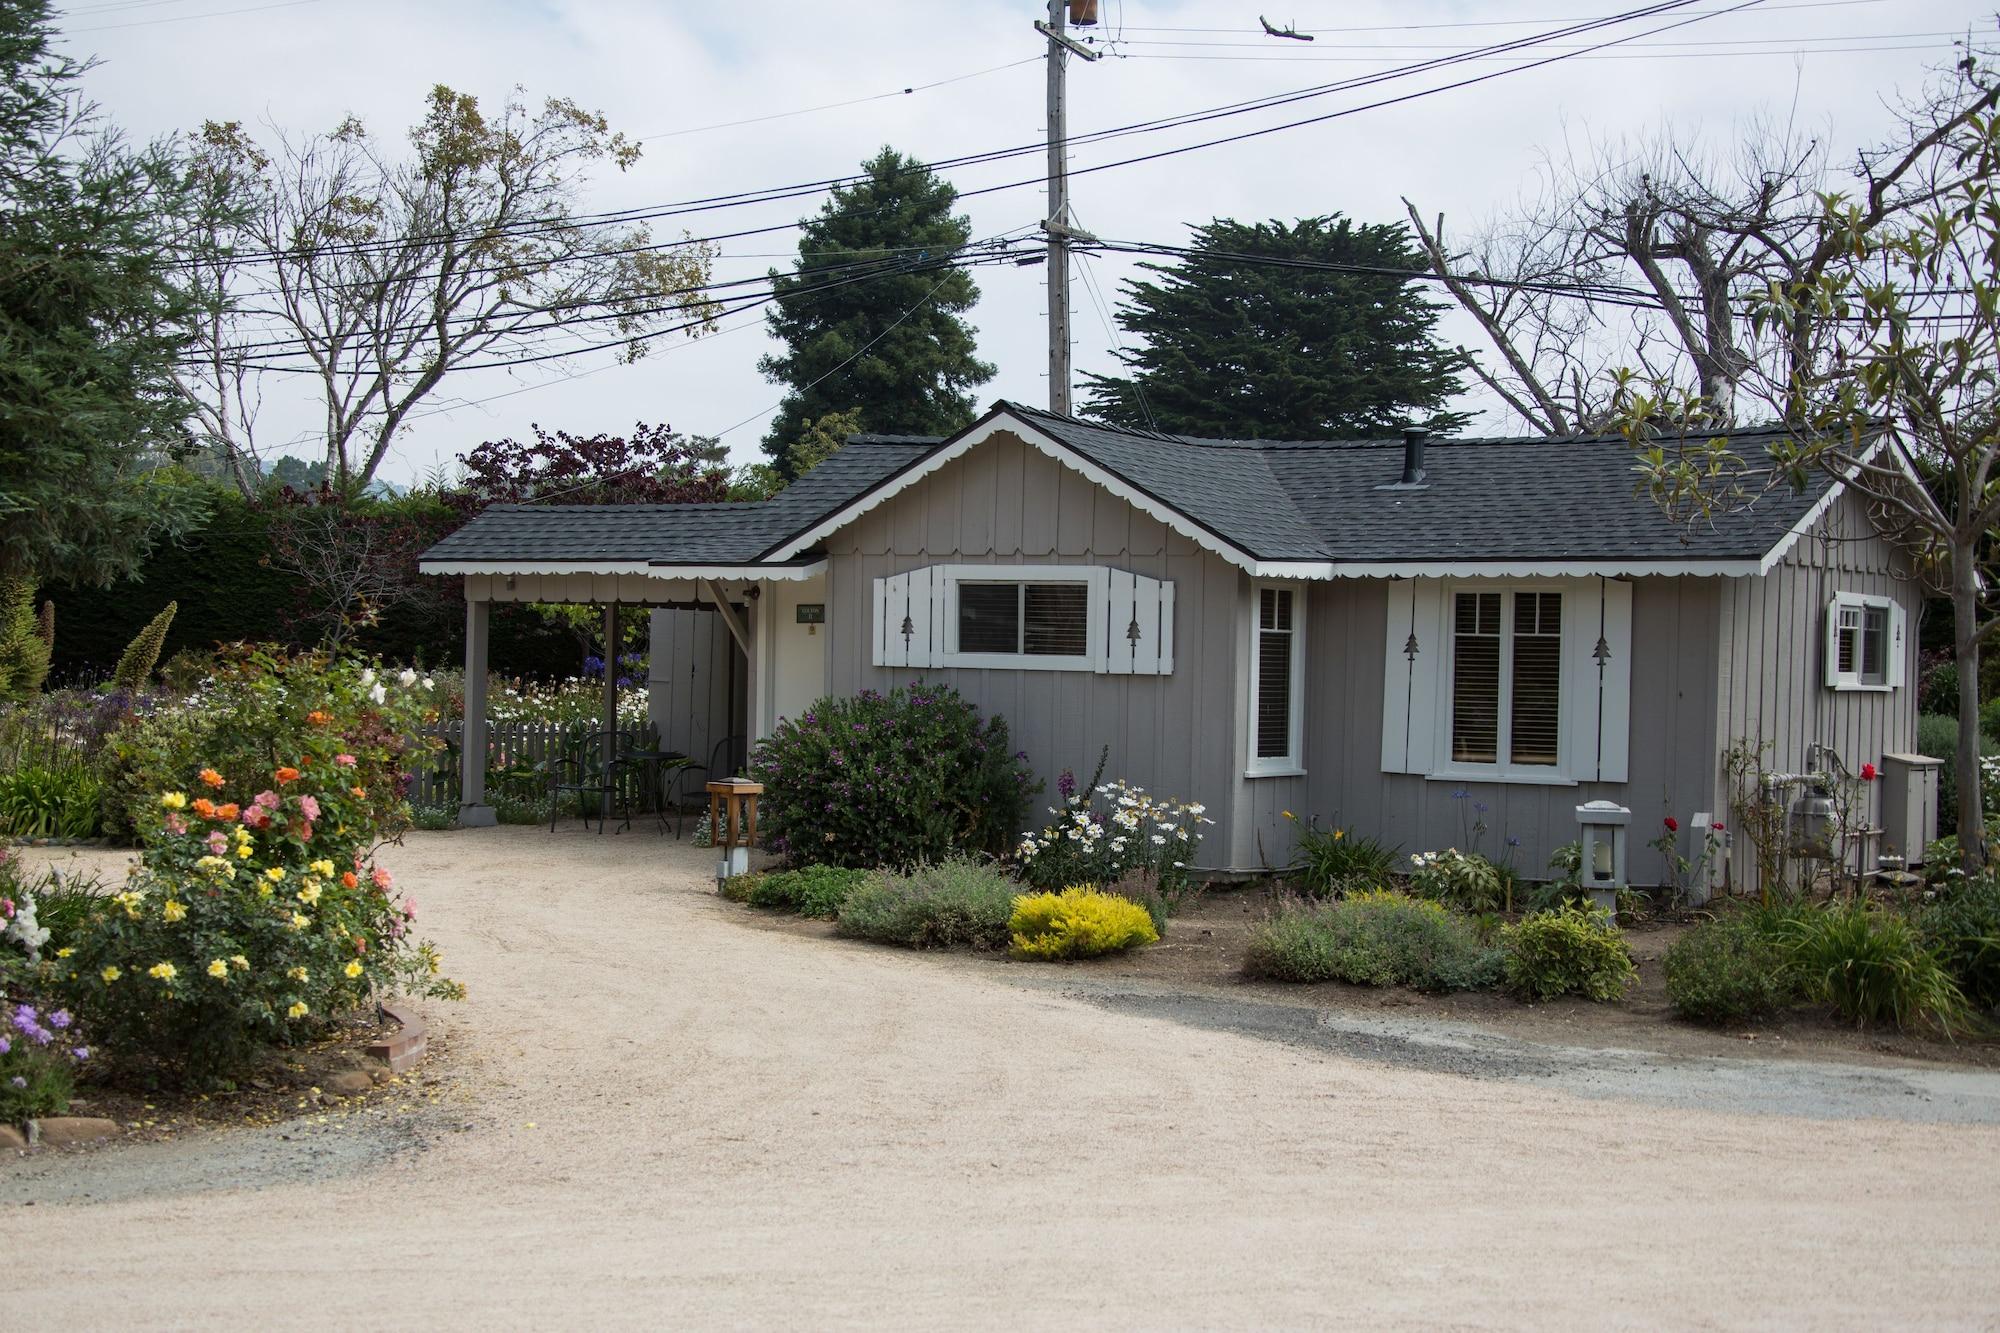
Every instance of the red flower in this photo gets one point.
(1716, 827)
(1868, 773)
(1673, 825)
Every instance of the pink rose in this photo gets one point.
(306, 831)
(217, 844)
(383, 879)
(344, 760)
(268, 800)
(309, 807)
(255, 816)
(7, 908)
(409, 909)
(176, 825)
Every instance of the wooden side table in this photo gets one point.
(732, 824)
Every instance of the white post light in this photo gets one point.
(1604, 827)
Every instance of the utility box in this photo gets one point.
(1909, 804)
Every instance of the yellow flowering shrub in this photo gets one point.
(1079, 922)
(258, 912)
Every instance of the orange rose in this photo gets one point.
(227, 810)
(211, 777)
(360, 793)
(203, 807)
(285, 775)
(319, 717)
(348, 880)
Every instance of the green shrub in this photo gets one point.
(1872, 966)
(1962, 927)
(1465, 880)
(956, 902)
(135, 666)
(433, 816)
(42, 802)
(1328, 862)
(1728, 971)
(896, 779)
(1373, 938)
(740, 888)
(256, 915)
(24, 651)
(1573, 950)
(809, 890)
(1079, 922)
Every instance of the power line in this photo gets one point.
(1492, 23)
(836, 106)
(188, 18)
(1177, 120)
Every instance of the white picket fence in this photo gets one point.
(510, 747)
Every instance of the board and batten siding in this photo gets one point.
(1006, 503)
(1772, 657)
(697, 683)
(1674, 631)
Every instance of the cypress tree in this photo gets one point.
(1235, 348)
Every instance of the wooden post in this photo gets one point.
(610, 700)
(473, 811)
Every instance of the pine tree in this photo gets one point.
(1250, 350)
(135, 667)
(92, 320)
(870, 316)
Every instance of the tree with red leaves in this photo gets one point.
(652, 465)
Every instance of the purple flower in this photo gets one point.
(81, 1052)
(59, 1019)
(24, 1017)
(5, 1046)
(1066, 784)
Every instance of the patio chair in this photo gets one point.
(593, 765)
(724, 758)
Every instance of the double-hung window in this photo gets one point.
(1277, 643)
(1506, 679)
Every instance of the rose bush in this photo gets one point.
(256, 911)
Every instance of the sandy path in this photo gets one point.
(739, 1126)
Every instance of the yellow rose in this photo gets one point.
(64, 952)
(322, 868)
(297, 974)
(309, 894)
(173, 911)
(300, 921)
(239, 962)
(353, 969)
(174, 800)
(111, 974)
(276, 874)
(218, 968)
(163, 971)
(298, 1009)
(243, 852)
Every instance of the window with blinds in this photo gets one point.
(1024, 619)
(1874, 637)
(1273, 703)
(1506, 680)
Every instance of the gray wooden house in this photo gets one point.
(1400, 636)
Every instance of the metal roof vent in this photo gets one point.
(1413, 454)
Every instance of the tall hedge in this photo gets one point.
(228, 591)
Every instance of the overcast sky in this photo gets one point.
(677, 69)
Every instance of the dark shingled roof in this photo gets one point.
(1531, 498)
(1513, 499)
(729, 533)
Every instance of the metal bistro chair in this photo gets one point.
(656, 770)
(691, 779)
(590, 766)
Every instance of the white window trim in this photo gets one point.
(1097, 578)
(1851, 681)
(1445, 768)
(1291, 764)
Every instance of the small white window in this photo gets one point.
(1506, 679)
(1864, 642)
(1277, 642)
(1025, 618)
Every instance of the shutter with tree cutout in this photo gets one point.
(1139, 625)
(908, 628)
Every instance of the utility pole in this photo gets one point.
(1058, 225)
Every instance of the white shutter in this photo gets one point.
(1898, 653)
(1597, 717)
(1830, 632)
(1411, 703)
(1615, 718)
(913, 600)
(1133, 602)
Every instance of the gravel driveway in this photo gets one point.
(663, 1111)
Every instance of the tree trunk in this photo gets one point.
(1965, 632)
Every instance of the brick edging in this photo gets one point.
(403, 1049)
